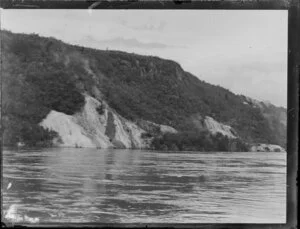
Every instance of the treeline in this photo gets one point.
(198, 141)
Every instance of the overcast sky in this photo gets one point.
(242, 50)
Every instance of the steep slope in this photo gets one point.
(44, 79)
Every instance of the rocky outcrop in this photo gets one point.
(122, 133)
(213, 126)
(105, 128)
(99, 126)
(71, 134)
(135, 133)
(252, 102)
(93, 123)
(154, 128)
(266, 148)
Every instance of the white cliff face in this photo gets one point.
(87, 128)
(215, 127)
(135, 133)
(266, 148)
(93, 123)
(121, 134)
(71, 133)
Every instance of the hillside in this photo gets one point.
(136, 101)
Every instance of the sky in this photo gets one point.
(244, 51)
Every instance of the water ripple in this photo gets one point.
(88, 185)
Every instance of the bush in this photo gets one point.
(31, 134)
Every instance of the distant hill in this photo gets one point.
(136, 101)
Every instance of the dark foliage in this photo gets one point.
(55, 89)
(32, 86)
(18, 130)
(197, 141)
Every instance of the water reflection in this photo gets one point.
(89, 185)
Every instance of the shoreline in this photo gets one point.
(9, 148)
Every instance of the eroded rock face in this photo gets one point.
(215, 127)
(71, 134)
(93, 123)
(135, 133)
(121, 135)
(105, 128)
(98, 128)
(155, 128)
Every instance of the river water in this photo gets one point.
(134, 186)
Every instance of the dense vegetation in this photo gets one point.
(198, 141)
(43, 74)
(32, 85)
(277, 119)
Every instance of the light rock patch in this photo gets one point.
(215, 127)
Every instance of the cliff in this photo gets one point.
(80, 97)
(89, 128)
